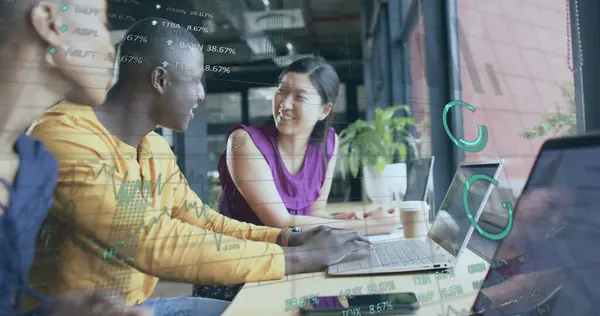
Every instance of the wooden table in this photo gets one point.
(268, 298)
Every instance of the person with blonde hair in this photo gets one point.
(37, 46)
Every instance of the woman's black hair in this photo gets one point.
(323, 76)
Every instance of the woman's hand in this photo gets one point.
(382, 220)
(92, 303)
(349, 215)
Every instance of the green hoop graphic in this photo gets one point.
(506, 205)
(482, 136)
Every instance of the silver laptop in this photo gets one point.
(420, 172)
(448, 235)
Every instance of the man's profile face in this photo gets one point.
(185, 91)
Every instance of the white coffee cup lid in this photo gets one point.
(414, 205)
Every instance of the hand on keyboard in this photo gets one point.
(329, 246)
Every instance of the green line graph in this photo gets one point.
(129, 190)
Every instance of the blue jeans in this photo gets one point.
(186, 306)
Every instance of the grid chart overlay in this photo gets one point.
(131, 207)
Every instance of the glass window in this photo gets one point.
(260, 104)
(340, 104)
(360, 94)
(405, 5)
(515, 73)
(419, 94)
(168, 135)
(216, 146)
(223, 108)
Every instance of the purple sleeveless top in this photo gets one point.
(298, 191)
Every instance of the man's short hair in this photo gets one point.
(154, 41)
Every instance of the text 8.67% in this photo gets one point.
(380, 307)
(221, 69)
(131, 59)
(122, 17)
(133, 38)
(125, 59)
(195, 28)
(203, 14)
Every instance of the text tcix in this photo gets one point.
(79, 53)
(86, 10)
(354, 311)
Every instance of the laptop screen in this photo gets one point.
(549, 264)
(451, 226)
(418, 174)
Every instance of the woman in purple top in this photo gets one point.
(280, 174)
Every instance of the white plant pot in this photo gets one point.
(379, 188)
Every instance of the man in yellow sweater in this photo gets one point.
(124, 215)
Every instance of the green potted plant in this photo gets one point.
(373, 145)
(558, 123)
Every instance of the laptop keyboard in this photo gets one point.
(391, 254)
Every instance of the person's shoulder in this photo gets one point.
(332, 142)
(62, 117)
(238, 141)
(333, 136)
(70, 129)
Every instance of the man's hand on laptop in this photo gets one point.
(324, 246)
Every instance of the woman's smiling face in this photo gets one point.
(297, 105)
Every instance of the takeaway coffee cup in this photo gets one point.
(413, 215)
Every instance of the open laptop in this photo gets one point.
(419, 173)
(550, 264)
(449, 233)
